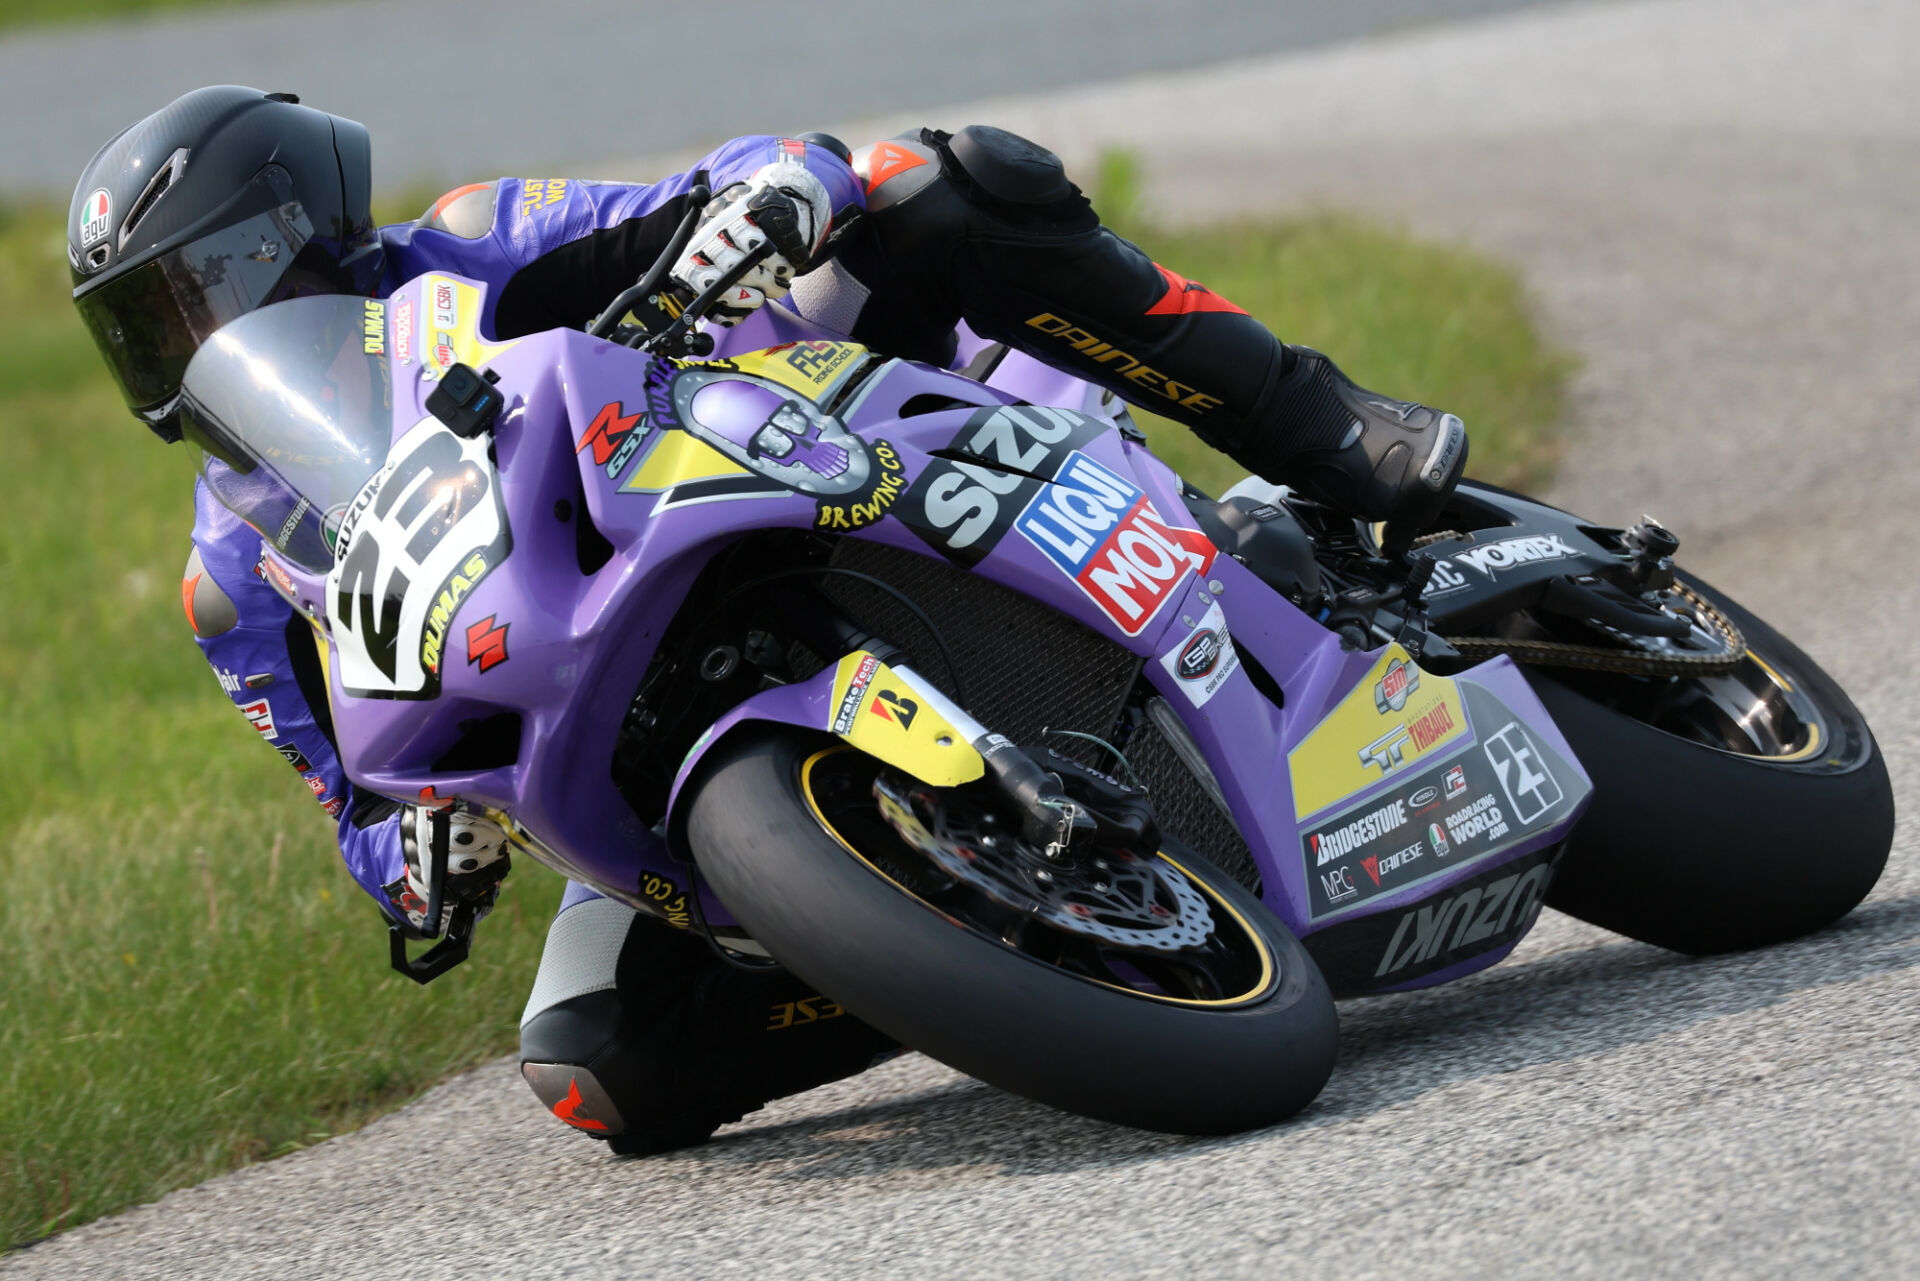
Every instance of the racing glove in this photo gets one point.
(782, 204)
(477, 862)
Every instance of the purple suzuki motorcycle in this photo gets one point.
(939, 689)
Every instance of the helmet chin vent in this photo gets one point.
(157, 186)
(97, 258)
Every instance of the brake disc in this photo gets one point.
(1112, 895)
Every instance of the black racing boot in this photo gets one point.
(1355, 450)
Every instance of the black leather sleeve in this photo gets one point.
(569, 285)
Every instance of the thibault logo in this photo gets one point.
(1399, 680)
(1515, 551)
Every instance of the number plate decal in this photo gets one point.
(413, 544)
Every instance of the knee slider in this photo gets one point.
(558, 1049)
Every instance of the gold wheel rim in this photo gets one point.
(1268, 967)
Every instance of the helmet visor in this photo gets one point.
(150, 321)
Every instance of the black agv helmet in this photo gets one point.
(223, 201)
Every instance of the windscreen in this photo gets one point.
(292, 409)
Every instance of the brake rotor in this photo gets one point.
(1113, 895)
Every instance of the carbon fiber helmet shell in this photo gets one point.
(158, 211)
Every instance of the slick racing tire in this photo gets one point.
(1729, 812)
(774, 827)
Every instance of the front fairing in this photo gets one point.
(619, 477)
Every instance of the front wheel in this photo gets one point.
(1730, 811)
(1154, 993)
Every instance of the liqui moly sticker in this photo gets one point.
(95, 217)
(1102, 532)
(1204, 658)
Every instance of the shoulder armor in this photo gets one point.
(466, 212)
(210, 611)
(1008, 167)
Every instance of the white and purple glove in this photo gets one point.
(782, 204)
(476, 864)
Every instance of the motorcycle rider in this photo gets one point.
(229, 199)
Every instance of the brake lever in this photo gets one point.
(678, 338)
(649, 284)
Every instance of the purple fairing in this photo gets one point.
(571, 647)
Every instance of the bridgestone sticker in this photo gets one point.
(1463, 810)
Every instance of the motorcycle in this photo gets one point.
(941, 690)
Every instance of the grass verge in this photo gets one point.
(192, 982)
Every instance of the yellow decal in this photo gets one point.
(887, 716)
(676, 459)
(451, 329)
(809, 368)
(373, 329)
(1395, 716)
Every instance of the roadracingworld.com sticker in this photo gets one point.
(1482, 799)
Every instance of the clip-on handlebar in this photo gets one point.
(659, 334)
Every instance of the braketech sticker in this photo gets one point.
(1104, 534)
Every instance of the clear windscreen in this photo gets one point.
(292, 409)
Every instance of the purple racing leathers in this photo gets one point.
(555, 251)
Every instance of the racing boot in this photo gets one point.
(637, 1034)
(1355, 450)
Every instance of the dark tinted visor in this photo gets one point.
(151, 320)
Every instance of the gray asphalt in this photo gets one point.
(456, 93)
(1715, 202)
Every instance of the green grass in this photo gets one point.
(188, 979)
(1434, 323)
(35, 13)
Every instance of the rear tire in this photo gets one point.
(1702, 849)
(975, 1003)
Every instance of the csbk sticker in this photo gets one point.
(1102, 531)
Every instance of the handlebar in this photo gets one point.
(674, 337)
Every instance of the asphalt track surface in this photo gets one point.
(464, 92)
(1715, 201)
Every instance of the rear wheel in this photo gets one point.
(1151, 992)
(1730, 811)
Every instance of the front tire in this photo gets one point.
(929, 980)
(1707, 834)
